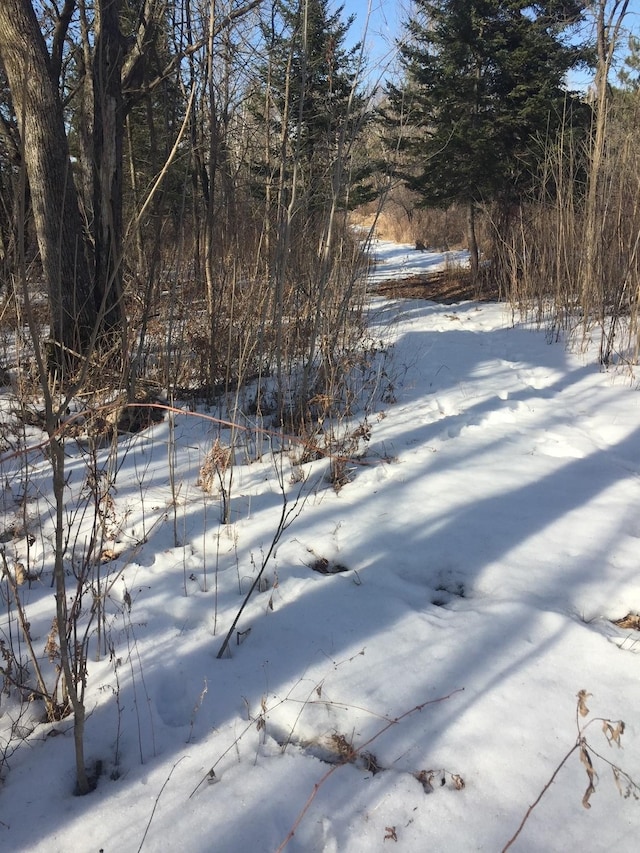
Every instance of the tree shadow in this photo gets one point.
(427, 568)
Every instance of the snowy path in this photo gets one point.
(485, 559)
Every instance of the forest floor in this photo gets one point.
(443, 286)
(432, 638)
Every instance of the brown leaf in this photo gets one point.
(631, 622)
(426, 777)
(616, 779)
(371, 763)
(587, 794)
(391, 834)
(342, 746)
(109, 554)
(612, 733)
(582, 703)
(585, 758)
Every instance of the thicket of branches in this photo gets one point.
(175, 182)
(570, 254)
(481, 118)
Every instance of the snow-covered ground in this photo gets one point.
(402, 261)
(421, 691)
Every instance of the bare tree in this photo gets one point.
(608, 16)
(58, 223)
(107, 157)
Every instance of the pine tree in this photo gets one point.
(483, 80)
(311, 77)
(629, 74)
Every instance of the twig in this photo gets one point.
(576, 745)
(155, 805)
(5, 572)
(287, 516)
(612, 732)
(164, 407)
(349, 759)
(256, 581)
(210, 774)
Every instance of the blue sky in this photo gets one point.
(385, 25)
(383, 21)
(384, 17)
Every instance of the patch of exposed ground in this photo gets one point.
(443, 286)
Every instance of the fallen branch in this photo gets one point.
(613, 731)
(354, 753)
(157, 800)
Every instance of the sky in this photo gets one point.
(380, 23)
(383, 21)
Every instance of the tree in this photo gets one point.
(483, 79)
(81, 255)
(629, 74)
(10, 160)
(609, 16)
(310, 108)
(58, 223)
(108, 132)
(311, 89)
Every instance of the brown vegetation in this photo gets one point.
(446, 286)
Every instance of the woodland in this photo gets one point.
(191, 193)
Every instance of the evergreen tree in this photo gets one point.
(629, 74)
(484, 79)
(312, 79)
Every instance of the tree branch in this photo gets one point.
(59, 35)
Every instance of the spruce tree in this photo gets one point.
(312, 80)
(629, 74)
(484, 80)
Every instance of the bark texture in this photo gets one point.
(107, 148)
(57, 218)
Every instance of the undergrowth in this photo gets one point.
(588, 755)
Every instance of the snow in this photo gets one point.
(488, 538)
(401, 261)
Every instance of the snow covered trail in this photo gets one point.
(487, 541)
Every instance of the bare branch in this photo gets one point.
(59, 35)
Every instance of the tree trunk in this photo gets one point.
(84, 120)
(472, 239)
(108, 132)
(57, 219)
(608, 22)
(67, 652)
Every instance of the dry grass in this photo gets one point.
(446, 286)
(216, 462)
